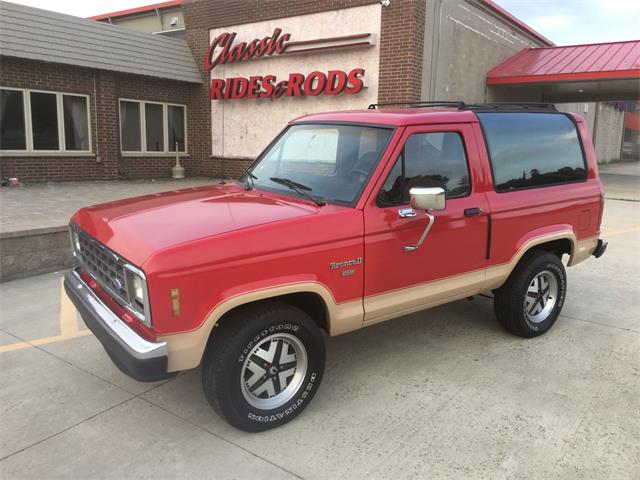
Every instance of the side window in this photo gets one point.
(428, 160)
(532, 150)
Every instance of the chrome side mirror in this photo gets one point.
(427, 198)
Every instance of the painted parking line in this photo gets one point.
(68, 327)
(68, 315)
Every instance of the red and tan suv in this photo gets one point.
(347, 219)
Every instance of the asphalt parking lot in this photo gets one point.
(439, 394)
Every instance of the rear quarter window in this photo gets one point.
(529, 150)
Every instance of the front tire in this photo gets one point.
(529, 302)
(263, 365)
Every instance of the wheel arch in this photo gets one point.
(559, 240)
(186, 349)
(312, 303)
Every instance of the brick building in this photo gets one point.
(83, 99)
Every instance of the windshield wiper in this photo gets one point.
(298, 188)
(248, 183)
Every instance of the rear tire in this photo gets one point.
(263, 365)
(529, 302)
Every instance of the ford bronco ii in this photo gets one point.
(347, 219)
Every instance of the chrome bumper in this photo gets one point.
(137, 357)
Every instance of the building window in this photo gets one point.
(130, 126)
(44, 121)
(12, 128)
(34, 121)
(152, 127)
(76, 121)
(176, 128)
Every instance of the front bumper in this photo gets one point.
(137, 357)
(600, 248)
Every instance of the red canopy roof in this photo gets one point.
(130, 11)
(615, 60)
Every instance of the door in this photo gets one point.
(451, 262)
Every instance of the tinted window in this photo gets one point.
(154, 119)
(175, 115)
(130, 126)
(532, 149)
(428, 160)
(44, 121)
(12, 131)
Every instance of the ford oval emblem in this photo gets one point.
(117, 284)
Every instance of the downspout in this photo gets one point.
(435, 56)
(595, 129)
(95, 112)
(160, 19)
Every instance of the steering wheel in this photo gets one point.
(358, 171)
(363, 165)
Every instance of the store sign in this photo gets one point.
(222, 50)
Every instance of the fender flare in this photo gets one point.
(581, 248)
(187, 348)
(544, 235)
(498, 274)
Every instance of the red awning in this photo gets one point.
(576, 63)
(131, 11)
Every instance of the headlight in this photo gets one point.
(138, 295)
(75, 240)
(137, 290)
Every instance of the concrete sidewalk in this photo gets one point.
(34, 219)
(46, 205)
(621, 180)
(621, 168)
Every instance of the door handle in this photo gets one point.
(407, 212)
(472, 212)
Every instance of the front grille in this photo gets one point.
(103, 265)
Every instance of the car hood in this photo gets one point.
(136, 227)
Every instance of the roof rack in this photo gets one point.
(419, 104)
(512, 106)
(472, 106)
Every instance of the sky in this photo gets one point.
(568, 22)
(564, 22)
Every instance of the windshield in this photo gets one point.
(326, 163)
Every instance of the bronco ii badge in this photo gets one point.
(346, 263)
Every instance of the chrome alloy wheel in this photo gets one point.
(541, 296)
(273, 371)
